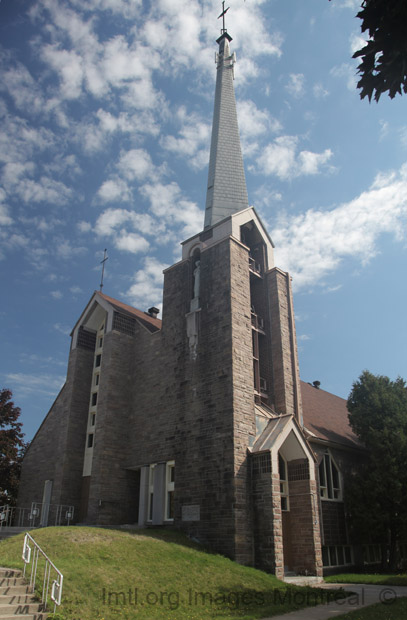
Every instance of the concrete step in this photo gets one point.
(16, 599)
(10, 572)
(23, 608)
(7, 582)
(15, 590)
(39, 616)
(302, 580)
(9, 599)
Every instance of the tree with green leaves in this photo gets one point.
(377, 491)
(12, 448)
(383, 66)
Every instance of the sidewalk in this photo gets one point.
(363, 596)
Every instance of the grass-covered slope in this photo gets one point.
(369, 578)
(151, 574)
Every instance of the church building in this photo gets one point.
(200, 421)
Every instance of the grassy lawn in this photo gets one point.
(373, 578)
(397, 610)
(148, 575)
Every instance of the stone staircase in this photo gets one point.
(15, 599)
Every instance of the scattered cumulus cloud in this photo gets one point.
(319, 90)
(347, 72)
(63, 329)
(146, 290)
(296, 85)
(34, 384)
(192, 141)
(313, 244)
(282, 158)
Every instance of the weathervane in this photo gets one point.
(102, 262)
(224, 11)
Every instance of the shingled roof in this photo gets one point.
(150, 322)
(326, 417)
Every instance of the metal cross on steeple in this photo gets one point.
(102, 262)
(224, 11)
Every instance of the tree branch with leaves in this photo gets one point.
(12, 448)
(383, 66)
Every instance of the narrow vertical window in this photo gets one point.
(329, 478)
(282, 467)
(90, 440)
(151, 492)
(170, 484)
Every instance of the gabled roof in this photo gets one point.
(326, 417)
(150, 322)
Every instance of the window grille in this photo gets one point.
(261, 463)
(124, 324)
(86, 339)
(298, 471)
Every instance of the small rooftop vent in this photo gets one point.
(153, 312)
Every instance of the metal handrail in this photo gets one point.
(10, 515)
(56, 587)
(62, 514)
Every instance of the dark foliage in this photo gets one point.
(377, 491)
(12, 448)
(383, 66)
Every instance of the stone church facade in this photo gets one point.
(199, 421)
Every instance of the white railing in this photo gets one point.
(39, 515)
(12, 516)
(32, 553)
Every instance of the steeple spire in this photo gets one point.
(226, 192)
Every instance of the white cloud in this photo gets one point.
(114, 190)
(348, 72)
(63, 329)
(282, 158)
(84, 227)
(35, 384)
(136, 164)
(43, 190)
(126, 8)
(403, 136)
(131, 242)
(356, 43)
(148, 282)
(5, 219)
(313, 244)
(66, 250)
(69, 66)
(22, 87)
(56, 294)
(254, 122)
(296, 85)
(167, 203)
(319, 90)
(193, 140)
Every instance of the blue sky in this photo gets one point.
(106, 109)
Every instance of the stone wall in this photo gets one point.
(56, 452)
(287, 398)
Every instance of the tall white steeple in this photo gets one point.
(226, 191)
